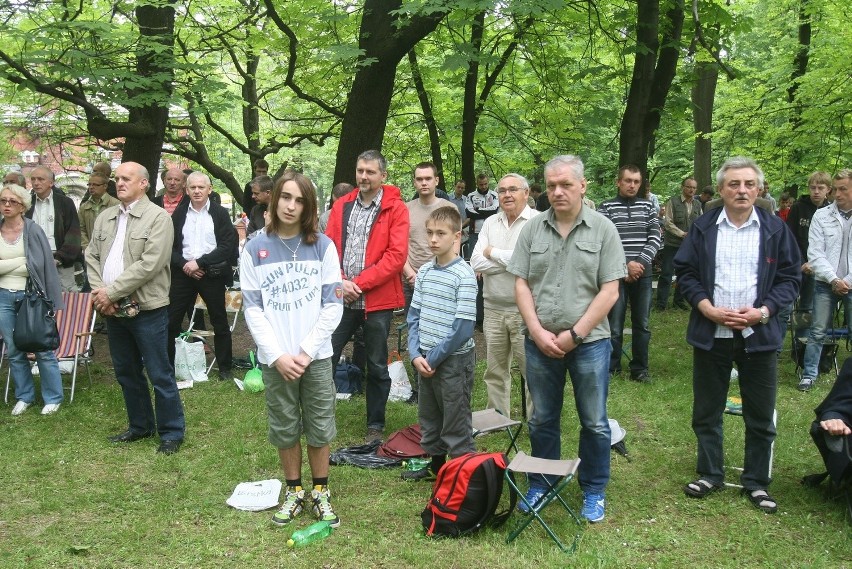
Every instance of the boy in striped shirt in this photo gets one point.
(440, 340)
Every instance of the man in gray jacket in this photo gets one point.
(128, 260)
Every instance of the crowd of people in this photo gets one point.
(546, 275)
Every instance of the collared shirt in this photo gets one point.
(737, 252)
(43, 215)
(169, 205)
(199, 236)
(499, 284)
(565, 274)
(358, 229)
(114, 264)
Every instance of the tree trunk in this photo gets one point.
(654, 69)
(384, 40)
(428, 117)
(703, 97)
(800, 67)
(470, 116)
(156, 25)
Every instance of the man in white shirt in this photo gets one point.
(203, 255)
(502, 319)
(56, 214)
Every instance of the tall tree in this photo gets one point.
(387, 34)
(654, 68)
(116, 67)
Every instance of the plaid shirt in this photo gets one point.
(357, 233)
(737, 253)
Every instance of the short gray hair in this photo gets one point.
(374, 156)
(525, 185)
(573, 162)
(735, 163)
(22, 180)
(45, 169)
(198, 174)
(23, 194)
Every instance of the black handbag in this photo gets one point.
(35, 323)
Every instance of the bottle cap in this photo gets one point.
(291, 543)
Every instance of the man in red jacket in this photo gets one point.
(370, 230)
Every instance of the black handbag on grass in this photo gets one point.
(35, 323)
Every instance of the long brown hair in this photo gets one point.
(308, 222)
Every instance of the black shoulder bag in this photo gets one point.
(35, 323)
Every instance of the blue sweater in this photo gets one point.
(778, 278)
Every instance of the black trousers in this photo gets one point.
(182, 296)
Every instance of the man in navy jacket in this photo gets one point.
(737, 267)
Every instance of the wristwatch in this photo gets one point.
(764, 315)
(576, 337)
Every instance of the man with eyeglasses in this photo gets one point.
(502, 320)
(56, 214)
(98, 201)
(638, 227)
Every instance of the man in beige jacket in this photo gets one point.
(128, 261)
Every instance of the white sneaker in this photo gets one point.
(19, 408)
(50, 409)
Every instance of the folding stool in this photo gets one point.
(491, 420)
(558, 474)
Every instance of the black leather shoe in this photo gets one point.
(641, 377)
(129, 436)
(169, 447)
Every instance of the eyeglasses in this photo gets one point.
(510, 190)
(4, 201)
(92, 185)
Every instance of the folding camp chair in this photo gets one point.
(491, 420)
(233, 305)
(558, 474)
(734, 407)
(75, 324)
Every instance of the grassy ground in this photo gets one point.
(71, 499)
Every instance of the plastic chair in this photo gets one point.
(491, 420)
(558, 474)
(75, 323)
(233, 306)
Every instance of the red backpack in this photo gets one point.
(466, 495)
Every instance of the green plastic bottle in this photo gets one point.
(314, 532)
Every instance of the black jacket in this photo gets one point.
(66, 228)
(799, 221)
(227, 243)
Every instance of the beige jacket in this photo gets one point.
(147, 251)
(88, 213)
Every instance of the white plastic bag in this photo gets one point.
(190, 361)
(255, 496)
(400, 386)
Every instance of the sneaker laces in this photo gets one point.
(293, 501)
(322, 505)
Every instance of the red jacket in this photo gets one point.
(387, 248)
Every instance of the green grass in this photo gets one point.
(71, 499)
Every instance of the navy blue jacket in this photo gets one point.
(778, 278)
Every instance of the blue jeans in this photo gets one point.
(664, 284)
(48, 367)
(587, 367)
(132, 343)
(639, 294)
(376, 326)
(824, 303)
(711, 378)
